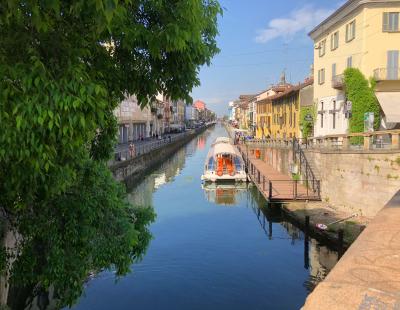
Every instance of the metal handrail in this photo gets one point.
(298, 151)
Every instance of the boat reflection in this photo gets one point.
(227, 194)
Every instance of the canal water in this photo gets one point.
(212, 248)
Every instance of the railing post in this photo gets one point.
(345, 143)
(295, 189)
(270, 190)
(263, 183)
(395, 141)
(367, 142)
(319, 188)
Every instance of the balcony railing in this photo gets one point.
(338, 81)
(387, 74)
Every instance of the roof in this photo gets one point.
(222, 140)
(342, 12)
(199, 105)
(220, 146)
(293, 89)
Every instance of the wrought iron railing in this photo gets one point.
(283, 189)
(304, 167)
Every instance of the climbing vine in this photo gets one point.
(361, 93)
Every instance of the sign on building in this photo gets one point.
(308, 117)
(369, 122)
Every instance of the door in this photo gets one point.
(392, 65)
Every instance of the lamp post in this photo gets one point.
(247, 152)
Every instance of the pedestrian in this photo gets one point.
(132, 150)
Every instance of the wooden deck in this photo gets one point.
(276, 186)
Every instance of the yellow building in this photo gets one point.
(264, 110)
(286, 113)
(363, 34)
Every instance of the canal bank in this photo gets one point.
(212, 248)
(131, 170)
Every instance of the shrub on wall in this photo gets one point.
(308, 126)
(361, 93)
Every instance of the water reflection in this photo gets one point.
(318, 258)
(224, 194)
(213, 248)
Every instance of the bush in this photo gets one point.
(361, 93)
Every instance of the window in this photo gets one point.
(322, 47)
(335, 40)
(334, 115)
(390, 22)
(392, 65)
(321, 113)
(333, 71)
(349, 62)
(321, 76)
(350, 31)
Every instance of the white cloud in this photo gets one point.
(301, 20)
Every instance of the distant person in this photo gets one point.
(132, 150)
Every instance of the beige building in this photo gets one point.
(134, 122)
(363, 34)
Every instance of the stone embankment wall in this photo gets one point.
(130, 171)
(361, 182)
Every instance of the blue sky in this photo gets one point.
(258, 40)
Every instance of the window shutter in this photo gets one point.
(396, 22)
(385, 22)
(347, 33)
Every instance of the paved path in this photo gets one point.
(368, 275)
(283, 186)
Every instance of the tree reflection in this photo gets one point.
(50, 250)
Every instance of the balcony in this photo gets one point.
(387, 74)
(338, 81)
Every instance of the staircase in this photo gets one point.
(307, 168)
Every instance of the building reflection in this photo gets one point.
(318, 258)
(142, 193)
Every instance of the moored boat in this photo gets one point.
(224, 163)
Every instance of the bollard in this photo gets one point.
(340, 243)
(270, 190)
(307, 224)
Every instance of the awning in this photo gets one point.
(390, 104)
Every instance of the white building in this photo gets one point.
(134, 122)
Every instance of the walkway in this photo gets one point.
(276, 186)
(368, 275)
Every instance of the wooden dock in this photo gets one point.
(276, 186)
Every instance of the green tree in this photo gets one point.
(64, 67)
(361, 94)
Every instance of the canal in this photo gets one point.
(211, 248)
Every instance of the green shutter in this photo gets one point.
(385, 22)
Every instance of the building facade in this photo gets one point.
(363, 34)
(133, 122)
